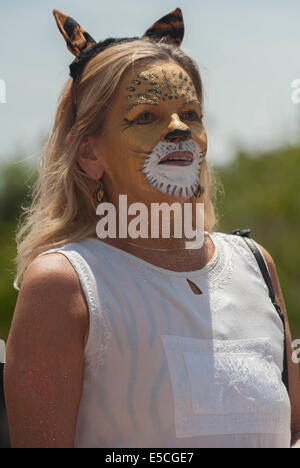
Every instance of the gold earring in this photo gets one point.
(99, 193)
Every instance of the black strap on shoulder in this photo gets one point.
(245, 233)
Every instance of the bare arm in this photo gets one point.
(44, 356)
(294, 387)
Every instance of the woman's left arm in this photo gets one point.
(294, 387)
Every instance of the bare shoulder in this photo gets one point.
(45, 355)
(279, 299)
(53, 268)
(294, 384)
(274, 276)
(269, 259)
(51, 292)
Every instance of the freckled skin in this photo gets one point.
(125, 144)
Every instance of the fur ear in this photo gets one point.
(75, 36)
(170, 27)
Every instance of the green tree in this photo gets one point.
(16, 180)
(262, 193)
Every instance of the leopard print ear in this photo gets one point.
(75, 36)
(170, 27)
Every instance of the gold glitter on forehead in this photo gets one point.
(142, 98)
(149, 87)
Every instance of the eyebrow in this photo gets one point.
(151, 103)
(192, 101)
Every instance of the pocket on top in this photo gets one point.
(225, 386)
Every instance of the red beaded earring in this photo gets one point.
(199, 191)
(99, 193)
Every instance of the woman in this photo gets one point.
(139, 342)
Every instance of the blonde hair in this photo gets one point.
(62, 209)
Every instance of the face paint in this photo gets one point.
(174, 168)
(162, 86)
(153, 140)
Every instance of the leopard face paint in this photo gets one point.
(174, 169)
(154, 141)
(163, 85)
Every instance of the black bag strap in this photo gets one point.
(245, 233)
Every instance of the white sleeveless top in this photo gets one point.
(165, 367)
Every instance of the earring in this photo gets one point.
(199, 191)
(99, 193)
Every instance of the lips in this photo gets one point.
(178, 158)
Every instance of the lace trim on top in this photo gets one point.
(246, 252)
(217, 271)
(99, 328)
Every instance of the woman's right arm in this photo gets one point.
(45, 354)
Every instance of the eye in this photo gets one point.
(145, 118)
(191, 115)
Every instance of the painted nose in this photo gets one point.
(178, 135)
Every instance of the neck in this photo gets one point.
(178, 260)
(160, 246)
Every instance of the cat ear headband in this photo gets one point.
(79, 42)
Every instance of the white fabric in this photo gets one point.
(165, 367)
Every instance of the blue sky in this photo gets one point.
(248, 52)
